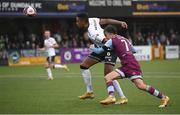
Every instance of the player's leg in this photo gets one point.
(57, 66)
(153, 91)
(110, 87)
(123, 100)
(84, 66)
(53, 65)
(110, 61)
(48, 68)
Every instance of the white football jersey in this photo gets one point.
(95, 32)
(47, 44)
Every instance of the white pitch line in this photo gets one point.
(145, 73)
(77, 75)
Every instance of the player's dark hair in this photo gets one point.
(110, 29)
(83, 16)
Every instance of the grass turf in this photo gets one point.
(27, 90)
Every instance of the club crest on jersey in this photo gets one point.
(108, 53)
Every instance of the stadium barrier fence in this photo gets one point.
(76, 55)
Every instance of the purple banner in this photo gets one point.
(73, 55)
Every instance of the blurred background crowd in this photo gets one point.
(29, 36)
(149, 22)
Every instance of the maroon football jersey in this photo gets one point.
(122, 47)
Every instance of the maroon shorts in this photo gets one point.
(129, 73)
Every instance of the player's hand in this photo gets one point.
(51, 46)
(124, 25)
(54, 46)
(38, 48)
(91, 46)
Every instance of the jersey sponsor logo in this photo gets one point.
(95, 24)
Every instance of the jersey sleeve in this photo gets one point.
(95, 36)
(97, 50)
(107, 47)
(96, 19)
(95, 32)
(132, 47)
(53, 41)
(109, 44)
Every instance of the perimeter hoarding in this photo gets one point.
(110, 8)
(29, 57)
(172, 52)
(74, 55)
(48, 8)
(143, 53)
(156, 8)
(77, 55)
(3, 57)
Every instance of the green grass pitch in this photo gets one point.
(27, 90)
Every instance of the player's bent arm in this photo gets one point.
(41, 49)
(55, 45)
(113, 21)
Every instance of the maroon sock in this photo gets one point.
(155, 92)
(110, 88)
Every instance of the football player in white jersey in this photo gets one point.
(96, 34)
(49, 46)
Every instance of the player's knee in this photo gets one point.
(107, 78)
(83, 67)
(141, 86)
(46, 66)
(51, 66)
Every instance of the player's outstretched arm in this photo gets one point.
(41, 49)
(113, 21)
(55, 45)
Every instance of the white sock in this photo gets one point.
(58, 66)
(118, 88)
(49, 72)
(87, 79)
